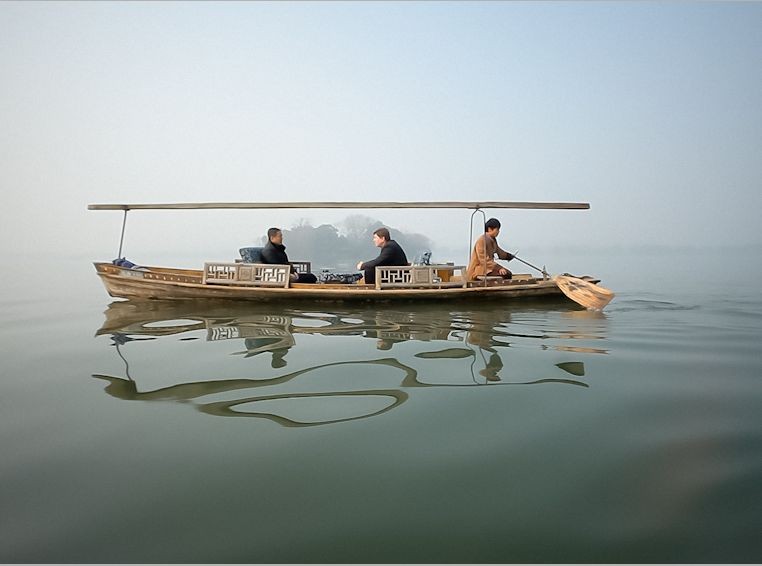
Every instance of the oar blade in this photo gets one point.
(589, 295)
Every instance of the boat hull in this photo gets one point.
(185, 284)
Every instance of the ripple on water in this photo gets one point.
(646, 305)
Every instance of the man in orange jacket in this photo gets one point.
(482, 256)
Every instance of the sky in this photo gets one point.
(651, 112)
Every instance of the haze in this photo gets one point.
(649, 111)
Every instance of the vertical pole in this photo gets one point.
(121, 239)
(484, 265)
(471, 237)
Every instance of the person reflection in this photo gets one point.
(494, 365)
(272, 344)
(392, 326)
(383, 342)
(482, 335)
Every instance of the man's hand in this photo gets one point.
(503, 271)
(359, 266)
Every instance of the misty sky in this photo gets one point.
(652, 112)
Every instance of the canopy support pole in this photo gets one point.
(121, 239)
(471, 238)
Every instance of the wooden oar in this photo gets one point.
(589, 295)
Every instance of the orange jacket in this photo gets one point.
(482, 255)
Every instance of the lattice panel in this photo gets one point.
(394, 275)
(247, 274)
(417, 276)
(394, 335)
(302, 266)
(221, 271)
(222, 333)
(264, 320)
(270, 274)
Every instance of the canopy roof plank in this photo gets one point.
(359, 205)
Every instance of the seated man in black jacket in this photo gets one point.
(274, 252)
(391, 254)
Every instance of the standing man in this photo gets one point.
(391, 254)
(482, 257)
(274, 252)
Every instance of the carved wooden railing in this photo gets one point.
(253, 274)
(302, 266)
(420, 276)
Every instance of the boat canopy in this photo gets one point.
(475, 205)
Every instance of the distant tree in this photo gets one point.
(359, 226)
(322, 245)
(326, 247)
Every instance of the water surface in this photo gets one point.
(539, 432)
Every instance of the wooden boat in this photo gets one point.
(237, 280)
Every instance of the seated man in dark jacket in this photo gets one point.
(274, 252)
(391, 254)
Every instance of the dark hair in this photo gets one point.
(272, 232)
(383, 233)
(491, 223)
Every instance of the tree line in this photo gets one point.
(328, 247)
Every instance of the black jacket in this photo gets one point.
(391, 254)
(275, 254)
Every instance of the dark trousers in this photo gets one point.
(306, 278)
(370, 276)
(496, 272)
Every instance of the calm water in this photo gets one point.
(474, 433)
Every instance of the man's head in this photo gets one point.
(275, 235)
(380, 237)
(492, 227)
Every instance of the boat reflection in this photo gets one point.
(475, 340)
